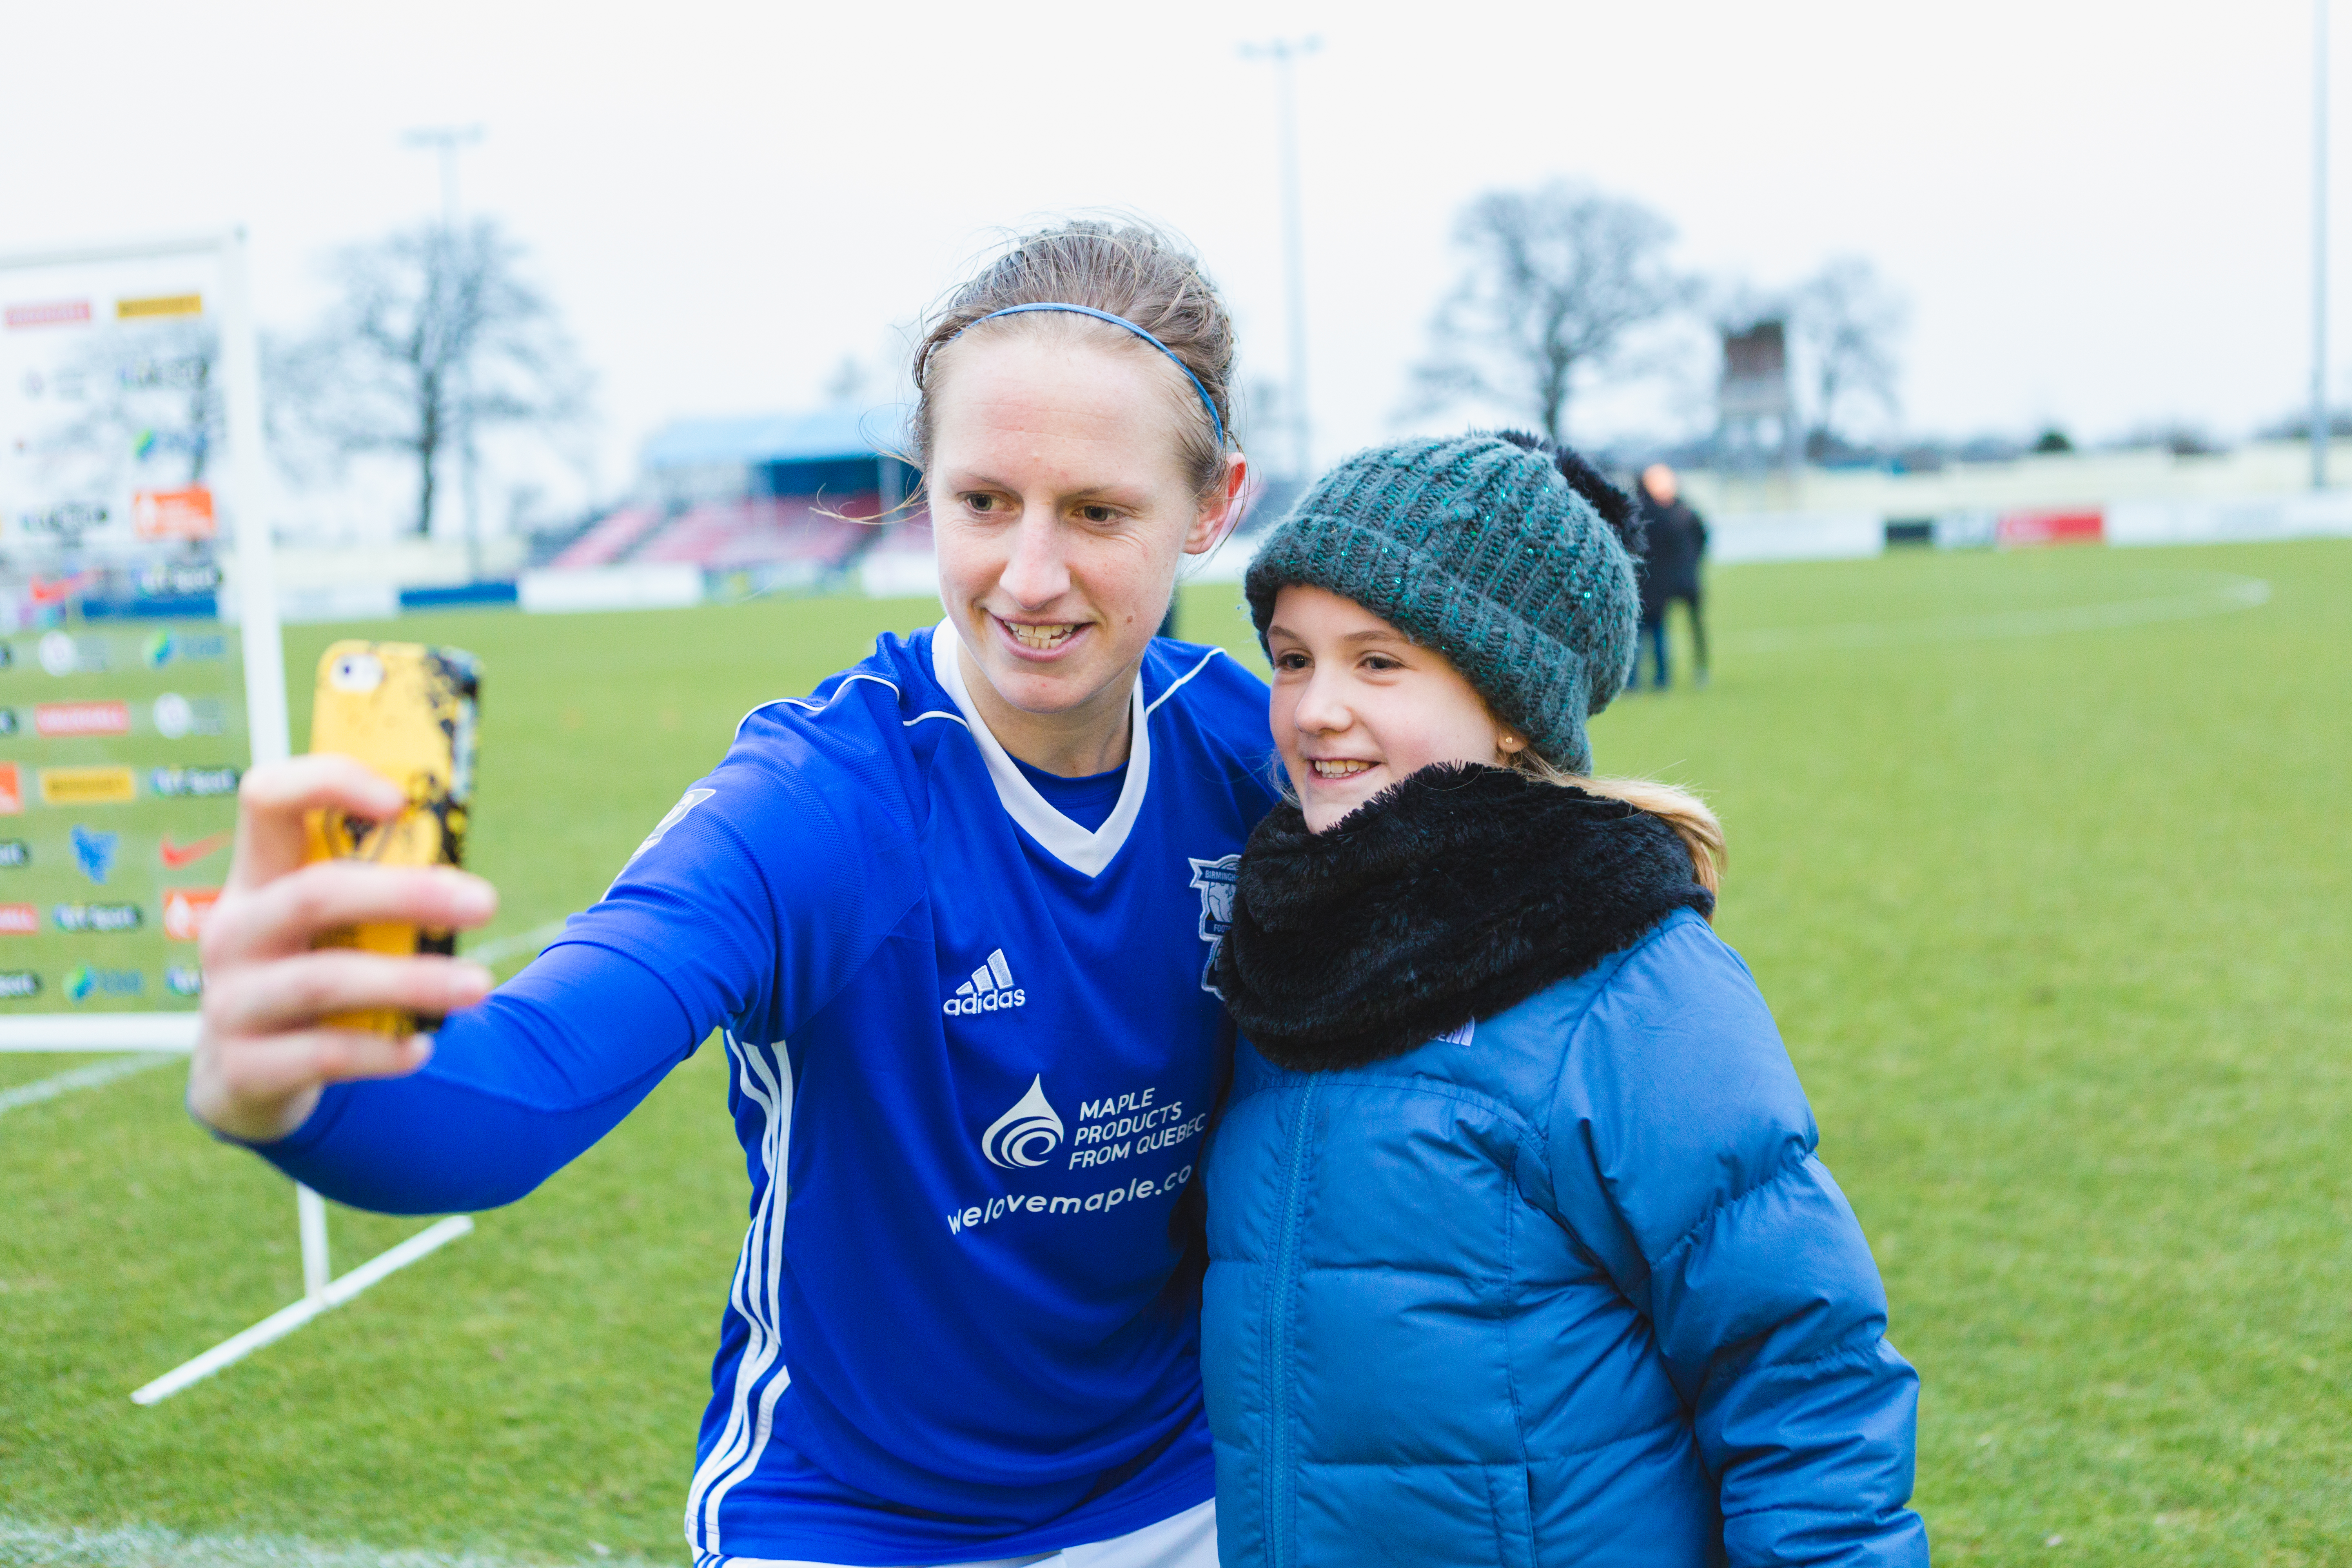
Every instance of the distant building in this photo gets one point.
(1756, 411)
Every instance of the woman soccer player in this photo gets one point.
(954, 913)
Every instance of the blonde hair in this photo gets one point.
(1684, 812)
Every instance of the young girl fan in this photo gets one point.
(1520, 1249)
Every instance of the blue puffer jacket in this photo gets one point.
(1570, 1288)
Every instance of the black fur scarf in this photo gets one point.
(1454, 895)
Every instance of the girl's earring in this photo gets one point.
(1512, 741)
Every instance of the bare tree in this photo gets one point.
(436, 337)
(1557, 279)
(1846, 318)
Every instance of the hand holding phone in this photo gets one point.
(411, 714)
(278, 1001)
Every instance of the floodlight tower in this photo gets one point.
(2321, 429)
(1285, 53)
(449, 141)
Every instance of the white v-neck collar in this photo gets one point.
(1084, 852)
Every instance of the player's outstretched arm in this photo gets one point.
(263, 1054)
(750, 906)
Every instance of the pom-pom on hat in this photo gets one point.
(1503, 554)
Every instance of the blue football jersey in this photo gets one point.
(974, 1048)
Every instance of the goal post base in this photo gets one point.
(285, 1320)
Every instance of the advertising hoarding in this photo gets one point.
(130, 704)
(123, 729)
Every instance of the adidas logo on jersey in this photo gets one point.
(990, 990)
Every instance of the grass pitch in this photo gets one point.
(2040, 859)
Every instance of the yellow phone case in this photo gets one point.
(411, 713)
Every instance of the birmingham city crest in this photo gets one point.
(1215, 880)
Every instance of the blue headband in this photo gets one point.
(1206, 401)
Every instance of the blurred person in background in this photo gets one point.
(1519, 1249)
(951, 914)
(1676, 542)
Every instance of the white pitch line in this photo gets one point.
(23, 1542)
(91, 1077)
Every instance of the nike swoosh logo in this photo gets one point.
(178, 855)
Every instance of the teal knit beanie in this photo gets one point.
(1479, 547)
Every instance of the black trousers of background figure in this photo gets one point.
(1652, 640)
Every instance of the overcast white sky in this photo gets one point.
(2100, 212)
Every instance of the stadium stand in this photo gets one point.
(820, 533)
(609, 537)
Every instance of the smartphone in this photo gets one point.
(412, 713)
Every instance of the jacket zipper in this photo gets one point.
(1283, 1484)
